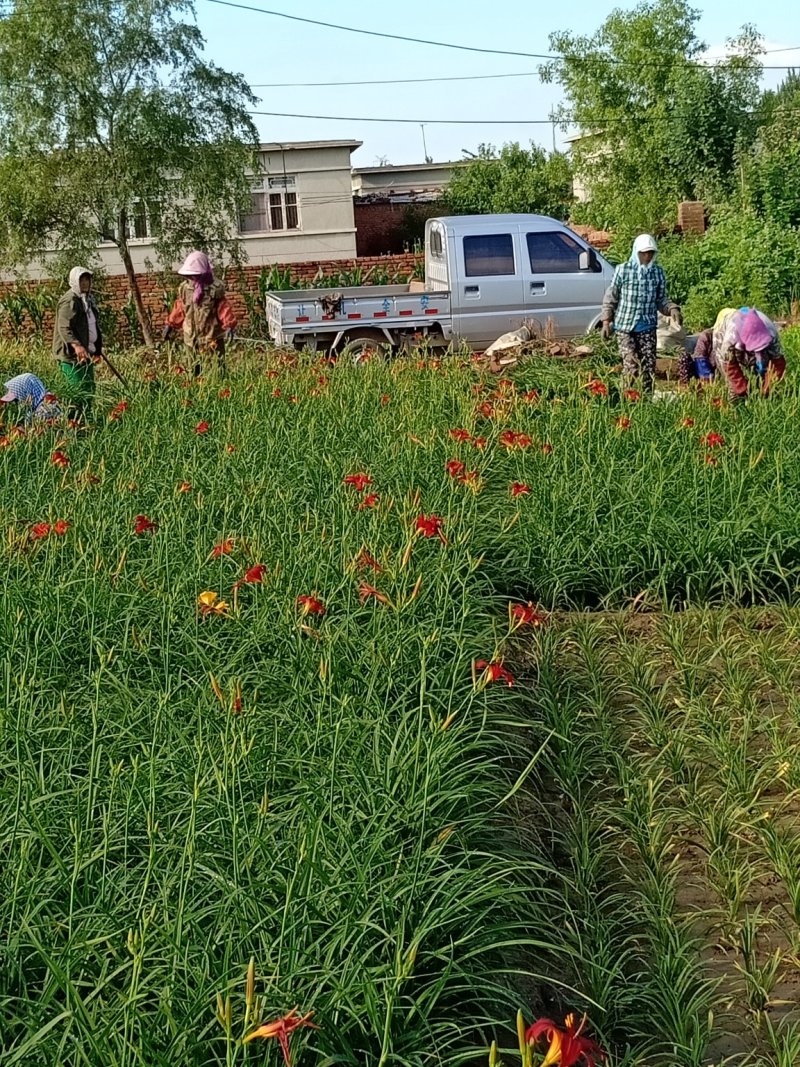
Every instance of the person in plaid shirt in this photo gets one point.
(638, 291)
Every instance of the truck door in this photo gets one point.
(488, 299)
(563, 282)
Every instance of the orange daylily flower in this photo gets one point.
(282, 1029)
(209, 603)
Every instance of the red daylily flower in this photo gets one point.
(622, 423)
(494, 671)
(224, 548)
(178, 370)
(185, 487)
(59, 458)
(252, 576)
(633, 395)
(60, 527)
(718, 401)
(202, 427)
(479, 442)
(118, 411)
(430, 526)
(365, 591)
(485, 410)
(455, 468)
(710, 460)
(224, 394)
(365, 560)
(547, 449)
(385, 399)
(281, 1029)
(255, 575)
(687, 423)
(515, 439)
(460, 435)
(310, 605)
(472, 480)
(143, 525)
(567, 1047)
(5, 441)
(531, 396)
(527, 615)
(276, 393)
(369, 501)
(519, 489)
(358, 481)
(713, 440)
(272, 373)
(597, 388)
(50, 398)
(40, 530)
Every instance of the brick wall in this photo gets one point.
(243, 286)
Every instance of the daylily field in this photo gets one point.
(407, 696)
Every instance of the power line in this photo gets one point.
(377, 33)
(439, 44)
(416, 122)
(393, 81)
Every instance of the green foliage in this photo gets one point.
(770, 168)
(517, 180)
(111, 119)
(657, 128)
(741, 260)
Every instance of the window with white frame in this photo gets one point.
(142, 224)
(273, 206)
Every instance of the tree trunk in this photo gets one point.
(141, 313)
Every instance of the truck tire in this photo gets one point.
(359, 346)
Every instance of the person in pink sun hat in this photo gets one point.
(201, 311)
(746, 340)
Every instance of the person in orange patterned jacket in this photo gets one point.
(202, 311)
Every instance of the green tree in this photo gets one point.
(770, 166)
(517, 180)
(113, 124)
(657, 125)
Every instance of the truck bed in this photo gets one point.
(298, 311)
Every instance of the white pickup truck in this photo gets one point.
(484, 276)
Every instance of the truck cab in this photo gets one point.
(502, 270)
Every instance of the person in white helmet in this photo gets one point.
(638, 291)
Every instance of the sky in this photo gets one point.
(267, 49)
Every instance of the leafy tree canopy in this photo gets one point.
(659, 126)
(110, 114)
(517, 180)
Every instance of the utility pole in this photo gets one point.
(428, 159)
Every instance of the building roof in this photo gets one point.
(409, 167)
(278, 146)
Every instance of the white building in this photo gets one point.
(302, 209)
(404, 183)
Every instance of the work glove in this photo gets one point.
(676, 317)
(605, 332)
(230, 335)
(166, 333)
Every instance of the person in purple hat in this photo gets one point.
(746, 340)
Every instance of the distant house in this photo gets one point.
(391, 203)
(301, 209)
(580, 182)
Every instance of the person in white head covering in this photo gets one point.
(30, 399)
(638, 291)
(77, 340)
